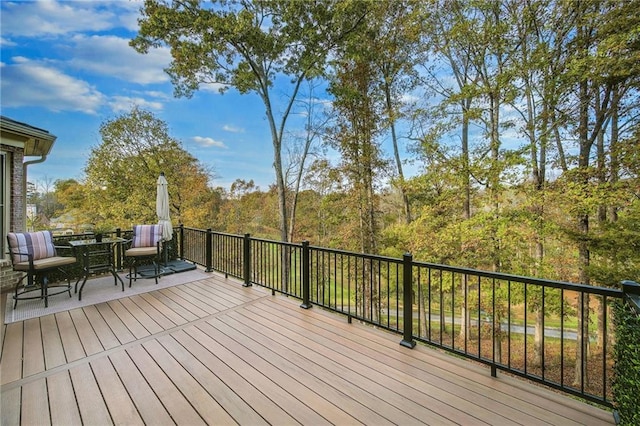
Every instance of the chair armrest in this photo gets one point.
(19, 253)
(66, 248)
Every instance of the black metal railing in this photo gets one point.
(555, 333)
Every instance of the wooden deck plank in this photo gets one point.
(33, 356)
(157, 316)
(313, 409)
(149, 406)
(242, 387)
(52, 342)
(204, 404)
(93, 409)
(35, 403)
(273, 390)
(73, 349)
(105, 335)
(121, 408)
(448, 378)
(399, 397)
(237, 408)
(188, 296)
(175, 306)
(11, 359)
(443, 399)
(143, 317)
(362, 404)
(183, 302)
(455, 371)
(175, 403)
(202, 401)
(204, 290)
(164, 309)
(469, 373)
(252, 358)
(118, 327)
(10, 406)
(86, 333)
(333, 362)
(234, 291)
(64, 410)
(129, 320)
(212, 289)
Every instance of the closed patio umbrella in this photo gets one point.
(162, 208)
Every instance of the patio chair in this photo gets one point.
(145, 245)
(35, 254)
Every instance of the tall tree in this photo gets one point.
(248, 45)
(355, 136)
(122, 171)
(394, 35)
(303, 150)
(452, 49)
(601, 57)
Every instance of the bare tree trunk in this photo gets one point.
(396, 153)
(583, 249)
(464, 309)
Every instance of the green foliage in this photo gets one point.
(626, 383)
(247, 45)
(615, 246)
(122, 173)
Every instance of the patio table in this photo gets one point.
(97, 257)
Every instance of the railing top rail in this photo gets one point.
(362, 255)
(266, 240)
(224, 234)
(603, 291)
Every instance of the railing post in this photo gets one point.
(246, 260)
(407, 302)
(208, 251)
(118, 251)
(306, 278)
(181, 240)
(631, 291)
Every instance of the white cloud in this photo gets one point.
(208, 142)
(158, 95)
(54, 18)
(6, 43)
(126, 103)
(31, 83)
(112, 56)
(232, 129)
(213, 87)
(409, 99)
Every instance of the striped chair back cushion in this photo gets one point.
(146, 235)
(39, 244)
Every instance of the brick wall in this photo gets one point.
(18, 198)
(8, 277)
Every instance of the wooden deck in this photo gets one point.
(214, 352)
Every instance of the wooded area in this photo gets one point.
(520, 120)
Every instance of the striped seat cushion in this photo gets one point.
(38, 244)
(146, 235)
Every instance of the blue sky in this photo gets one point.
(66, 67)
